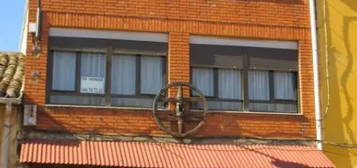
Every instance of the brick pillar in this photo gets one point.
(36, 66)
(179, 59)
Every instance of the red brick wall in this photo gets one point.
(255, 19)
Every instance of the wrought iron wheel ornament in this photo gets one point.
(181, 111)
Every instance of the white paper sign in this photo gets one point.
(92, 84)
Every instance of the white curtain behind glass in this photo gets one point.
(229, 86)
(258, 84)
(93, 66)
(202, 78)
(284, 86)
(151, 75)
(64, 70)
(123, 74)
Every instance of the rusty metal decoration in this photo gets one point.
(181, 113)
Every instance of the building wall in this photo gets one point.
(13, 128)
(338, 58)
(259, 19)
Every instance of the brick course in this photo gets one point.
(253, 19)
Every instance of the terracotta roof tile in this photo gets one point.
(160, 155)
(11, 74)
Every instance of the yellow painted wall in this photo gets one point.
(338, 79)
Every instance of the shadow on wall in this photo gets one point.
(347, 119)
(351, 4)
(348, 71)
(99, 121)
(336, 114)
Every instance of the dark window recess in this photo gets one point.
(112, 73)
(245, 78)
(216, 56)
(272, 59)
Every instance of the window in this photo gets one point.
(125, 69)
(137, 79)
(64, 77)
(203, 79)
(244, 76)
(87, 71)
(92, 73)
(151, 75)
(217, 72)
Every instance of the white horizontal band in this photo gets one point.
(210, 40)
(104, 34)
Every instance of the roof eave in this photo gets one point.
(4, 100)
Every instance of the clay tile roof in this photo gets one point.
(166, 155)
(11, 74)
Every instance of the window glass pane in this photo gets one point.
(284, 86)
(202, 78)
(123, 74)
(64, 70)
(258, 84)
(92, 73)
(229, 86)
(151, 75)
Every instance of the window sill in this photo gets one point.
(252, 112)
(149, 109)
(96, 107)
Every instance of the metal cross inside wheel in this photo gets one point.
(180, 111)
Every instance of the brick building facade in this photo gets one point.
(182, 22)
(265, 20)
